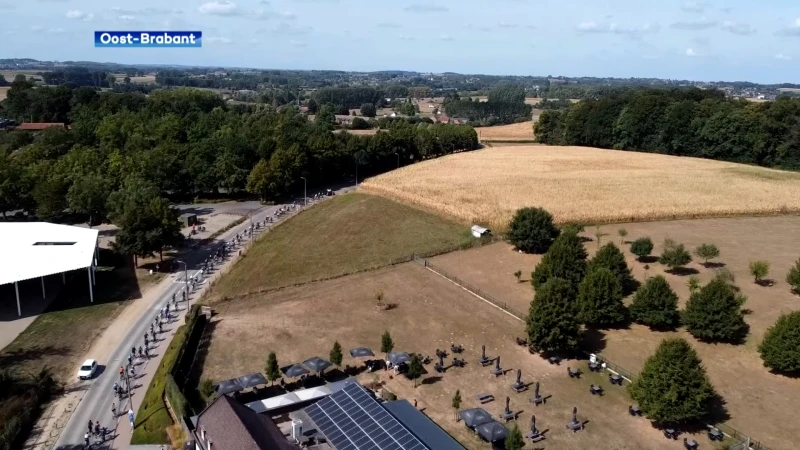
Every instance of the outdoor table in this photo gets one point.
(594, 366)
(691, 444)
(616, 379)
(715, 435)
(636, 410)
(670, 433)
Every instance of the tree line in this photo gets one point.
(185, 143)
(683, 122)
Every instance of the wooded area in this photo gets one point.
(683, 122)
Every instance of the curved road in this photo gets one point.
(96, 402)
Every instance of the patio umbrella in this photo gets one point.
(475, 416)
(361, 352)
(317, 364)
(399, 358)
(228, 386)
(254, 379)
(294, 371)
(493, 431)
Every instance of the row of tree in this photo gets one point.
(684, 122)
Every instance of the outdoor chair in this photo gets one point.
(671, 433)
(554, 360)
(596, 390)
(595, 367)
(534, 437)
(575, 426)
(715, 435)
(615, 379)
(456, 348)
(689, 444)
(573, 374)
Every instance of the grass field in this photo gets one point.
(522, 131)
(4, 92)
(348, 233)
(145, 79)
(10, 74)
(301, 322)
(756, 400)
(587, 185)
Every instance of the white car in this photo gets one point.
(87, 370)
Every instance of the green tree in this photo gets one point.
(127, 80)
(336, 354)
(456, 402)
(622, 233)
(693, 284)
(600, 299)
(598, 235)
(793, 277)
(531, 230)
(147, 222)
(610, 257)
(89, 195)
(111, 79)
(655, 304)
(566, 259)
(414, 368)
(514, 439)
(780, 349)
(674, 255)
(759, 269)
(272, 370)
(552, 320)
(706, 252)
(714, 313)
(387, 344)
(313, 106)
(207, 389)
(673, 387)
(642, 247)
(368, 110)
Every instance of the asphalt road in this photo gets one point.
(96, 402)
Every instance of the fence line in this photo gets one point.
(743, 441)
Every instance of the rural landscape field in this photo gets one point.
(522, 131)
(587, 185)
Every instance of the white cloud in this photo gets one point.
(56, 31)
(700, 40)
(530, 27)
(5, 5)
(614, 28)
(145, 11)
(217, 8)
(783, 57)
(695, 6)
(793, 30)
(701, 24)
(126, 18)
(691, 52)
(79, 15)
(37, 28)
(446, 37)
(481, 28)
(741, 29)
(425, 8)
(288, 15)
(389, 25)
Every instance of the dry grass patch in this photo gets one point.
(756, 399)
(587, 185)
(512, 132)
(4, 92)
(348, 233)
(301, 322)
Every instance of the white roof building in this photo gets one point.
(38, 249)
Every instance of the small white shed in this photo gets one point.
(479, 231)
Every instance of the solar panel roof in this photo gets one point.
(352, 419)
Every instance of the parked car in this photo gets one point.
(87, 370)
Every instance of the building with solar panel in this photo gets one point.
(338, 416)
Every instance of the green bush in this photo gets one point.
(655, 304)
(780, 349)
(793, 277)
(642, 247)
(610, 257)
(673, 387)
(531, 230)
(714, 313)
(674, 255)
(566, 259)
(600, 299)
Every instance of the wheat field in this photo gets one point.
(513, 132)
(588, 185)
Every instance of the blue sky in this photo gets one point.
(696, 39)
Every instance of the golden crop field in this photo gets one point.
(579, 184)
(513, 132)
(4, 92)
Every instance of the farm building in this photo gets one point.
(479, 231)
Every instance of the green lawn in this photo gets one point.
(349, 233)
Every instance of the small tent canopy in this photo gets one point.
(396, 358)
(361, 352)
(294, 371)
(475, 416)
(493, 431)
(254, 379)
(317, 364)
(228, 386)
(479, 231)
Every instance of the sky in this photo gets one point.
(734, 40)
